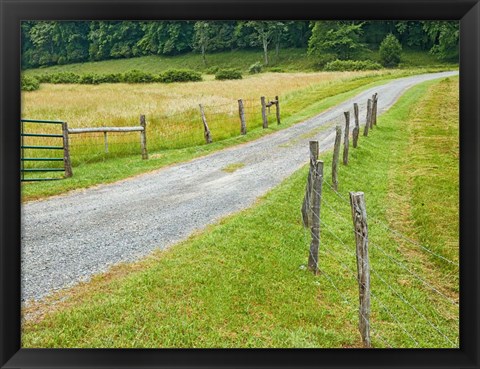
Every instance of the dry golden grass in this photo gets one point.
(121, 104)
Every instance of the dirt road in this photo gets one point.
(68, 238)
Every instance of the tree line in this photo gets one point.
(46, 43)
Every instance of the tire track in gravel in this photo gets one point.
(68, 238)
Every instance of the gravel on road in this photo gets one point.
(68, 238)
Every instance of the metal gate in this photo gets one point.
(38, 158)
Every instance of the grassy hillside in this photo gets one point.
(290, 60)
(243, 282)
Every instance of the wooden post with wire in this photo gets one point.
(356, 129)
(208, 137)
(359, 216)
(277, 106)
(241, 112)
(374, 110)
(264, 112)
(67, 163)
(307, 204)
(346, 137)
(336, 154)
(315, 228)
(369, 117)
(143, 137)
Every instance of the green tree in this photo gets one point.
(266, 32)
(341, 38)
(390, 51)
(445, 38)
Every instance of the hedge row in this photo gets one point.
(349, 65)
(132, 76)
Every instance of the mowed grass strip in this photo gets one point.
(243, 282)
(304, 95)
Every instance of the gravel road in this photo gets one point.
(68, 238)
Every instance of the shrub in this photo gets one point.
(255, 68)
(179, 75)
(223, 74)
(390, 51)
(349, 65)
(90, 79)
(29, 83)
(322, 60)
(212, 70)
(65, 77)
(110, 78)
(137, 76)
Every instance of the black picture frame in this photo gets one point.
(12, 12)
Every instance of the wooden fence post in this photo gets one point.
(241, 112)
(315, 228)
(208, 137)
(308, 200)
(336, 154)
(67, 164)
(277, 105)
(356, 130)
(346, 139)
(264, 112)
(374, 110)
(359, 216)
(143, 137)
(369, 115)
(105, 139)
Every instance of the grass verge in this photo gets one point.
(243, 283)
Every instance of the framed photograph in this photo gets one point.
(239, 184)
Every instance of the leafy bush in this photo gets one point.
(349, 65)
(212, 70)
(110, 78)
(90, 79)
(137, 76)
(65, 77)
(29, 83)
(179, 75)
(322, 60)
(224, 74)
(390, 51)
(255, 68)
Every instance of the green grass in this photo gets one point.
(289, 60)
(230, 168)
(243, 281)
(100, 168)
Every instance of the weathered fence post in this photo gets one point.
(208, 137)
(264, 112)
(369, 117)
(315, 228)
(67, 164)
(308, 200)
(143, 137)
(241, 112)
(277, 105)
(336, 154)
(374, 110)
(105, 139)
(356, 130)
(346, 139)
(359, 216)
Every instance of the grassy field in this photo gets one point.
(243, 282)
(174, 127)
(289, 60)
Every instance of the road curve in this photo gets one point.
(68, 238)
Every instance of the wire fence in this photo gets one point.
(165, 131)
(408, 306)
